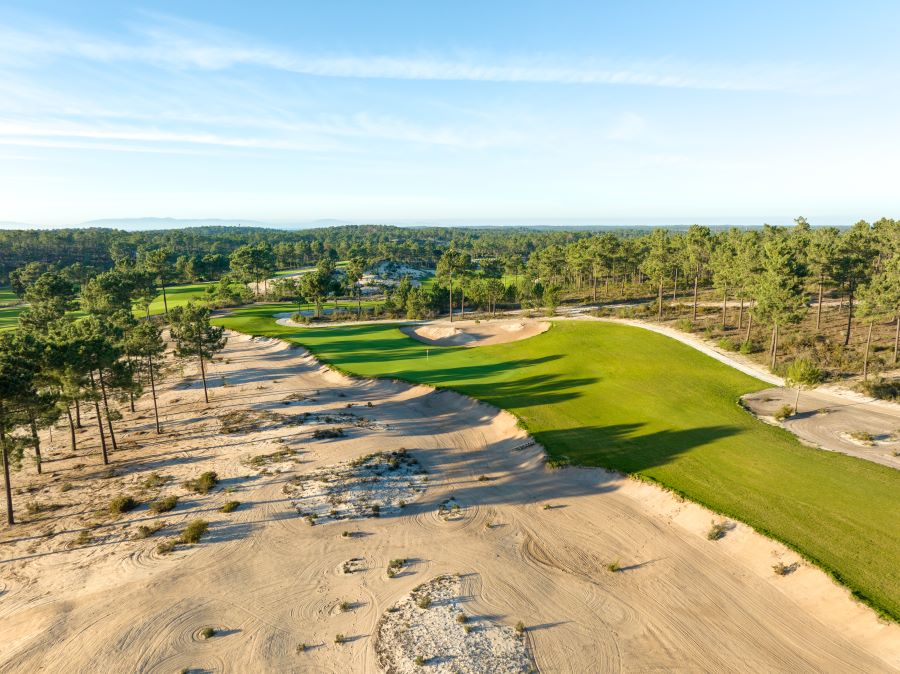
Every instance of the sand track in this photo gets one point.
(269, 581)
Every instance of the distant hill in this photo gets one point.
(141, 224)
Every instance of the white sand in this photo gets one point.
(475, 333)
(269, 581)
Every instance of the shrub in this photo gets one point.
(194, 531)
(613, 566)
(165, 547)
(467, 627)
(231, 506)
(202, 484)
(423, 601)
(155, 480)
(344, 606)
(328, 433)
(784, 412)
(419, 661)
(716, 530)
(727, 344)
(864, 437)
(782, 569)
(461, 618)
(684, 324)
(207, 632)
(520, 628)
(483, 478)
(346, 534)
(145, 531)
(748, 347)
(164, 505)
(84, 537)
(65, 486)
(885, 389)
(339, 638)
(301, 648)
(121, 504)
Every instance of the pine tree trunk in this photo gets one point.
(741, 312)
(696, 281)
(675, 288)
(451, 298)
(112, 435)
(153, 393)
(462, 311)
(10, 520)
(749, 325)
(774, 345)
(724, 305)
(71, 426)
(77, 413)
(866, 354)
(165, 301)
(36, 441)
(797, 402)
(659, 314)
(99, 421)
(849, 312)
(821, 296)
(203, 376)
(593, 287)
(896, 341)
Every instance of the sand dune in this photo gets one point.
(530, 544)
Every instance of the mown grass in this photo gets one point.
(177, 296)
(9, 317)
(601, 394)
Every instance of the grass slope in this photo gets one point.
(624, 398)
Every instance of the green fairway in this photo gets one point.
(7, 296)
(609, 395)
(177, 296)
(9, 317)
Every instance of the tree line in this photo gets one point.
(60, 362)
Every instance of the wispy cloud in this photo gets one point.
(177, 44)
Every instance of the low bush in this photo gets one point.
(728, 344)
(164, 505)
(784, 412)
(328, 433)
(885, 389)
(717, 530)
(207, 632)
(155, 480)
(339, 638)
(202, 484)
(165, 547)
(423, 601)
(420, 661)
(121, 504)
(194, 531)
(520, 628)
(145, 531)
(613, 566)
(229, 507)
(344, 606)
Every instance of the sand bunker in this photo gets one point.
(475, 333)
(369, 486)
(431, 627)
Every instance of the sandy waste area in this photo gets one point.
(568, 570)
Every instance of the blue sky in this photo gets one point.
(439, 111)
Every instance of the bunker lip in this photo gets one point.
(475, 333)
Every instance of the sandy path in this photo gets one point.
(827, 420)
(269, 581)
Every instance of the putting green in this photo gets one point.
(601, 394)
